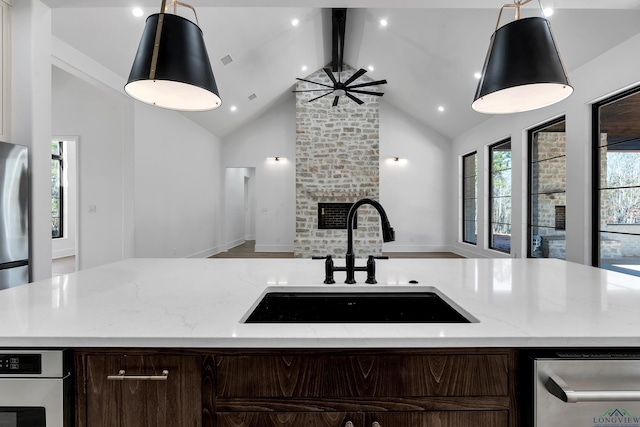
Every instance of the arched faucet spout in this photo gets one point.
(388, 235)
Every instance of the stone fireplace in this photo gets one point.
(337, 161)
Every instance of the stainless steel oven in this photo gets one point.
(33, 385)
(587, 389)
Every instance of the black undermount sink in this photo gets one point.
(370, 306)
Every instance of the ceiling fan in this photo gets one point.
(339, 88)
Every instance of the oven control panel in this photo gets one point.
(20, 364)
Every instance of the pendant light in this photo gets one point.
(523, 70)
(171, 68)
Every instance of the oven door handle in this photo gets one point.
(122, 376)
(560, 389)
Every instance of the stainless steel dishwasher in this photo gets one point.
(33, 385)
(587, 390)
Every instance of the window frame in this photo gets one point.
(60, 159)
(490, 197)
(464, 198)
(596, 170)
(530, 134)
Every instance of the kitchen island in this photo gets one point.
(199, 303)
(161, 342)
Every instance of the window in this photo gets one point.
(547, 190)
(616, 173)
(500, 196)
(57, 193)
(470, 198)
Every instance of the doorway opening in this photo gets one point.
(240, 218)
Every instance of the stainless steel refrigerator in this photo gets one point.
(14, 215)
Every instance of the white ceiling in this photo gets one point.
(428, 52)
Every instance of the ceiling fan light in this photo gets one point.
(182, 78)
(522, 71)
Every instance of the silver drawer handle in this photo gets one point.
(122, 376)
(560, 389)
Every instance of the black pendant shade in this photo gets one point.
(522, 71)
(182, 78)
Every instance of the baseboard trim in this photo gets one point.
(206, 253)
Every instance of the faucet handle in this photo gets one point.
(328, 269)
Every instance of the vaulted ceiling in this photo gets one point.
(428, 52)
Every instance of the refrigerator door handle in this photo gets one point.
(560, 389)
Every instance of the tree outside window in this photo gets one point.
(57, 193)
(500, 196)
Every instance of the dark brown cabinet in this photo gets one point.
(288, 419)
(296, 388)
(359, 388)
(438, 419)
(139, 390)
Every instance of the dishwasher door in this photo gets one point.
(587, 392)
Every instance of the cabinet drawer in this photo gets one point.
(288, 419)
(439, 419)
(139, 400)
(333, 375)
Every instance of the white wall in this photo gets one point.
(177, 186)
(272, 134)
(415, 191)
(610, 73)
(96, 117)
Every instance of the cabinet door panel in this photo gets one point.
(439, 419)
(174, 402)
(362, 375)
(287, 419)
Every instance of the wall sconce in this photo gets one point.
(523, 70)
(277, 158)
(171, 68)
(396, 160)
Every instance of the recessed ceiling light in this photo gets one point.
(477, 75)
(233, 108)
(547, 12)
(304, 68)
(295, 22)
(384, 22)
(441, 108)
(370, 67)
(137, 12)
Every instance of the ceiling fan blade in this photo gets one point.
(311, 90)
(321, 96)
(315, 83)
(355, 76)
(377, 82)
(335, 101)
(366, 92)
(330, 74)
(353, 98)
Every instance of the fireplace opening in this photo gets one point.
(333, 216)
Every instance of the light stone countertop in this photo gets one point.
(199, 303)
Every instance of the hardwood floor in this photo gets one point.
(60, 266)
(248, 250)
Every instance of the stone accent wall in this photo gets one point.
(337, 161)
